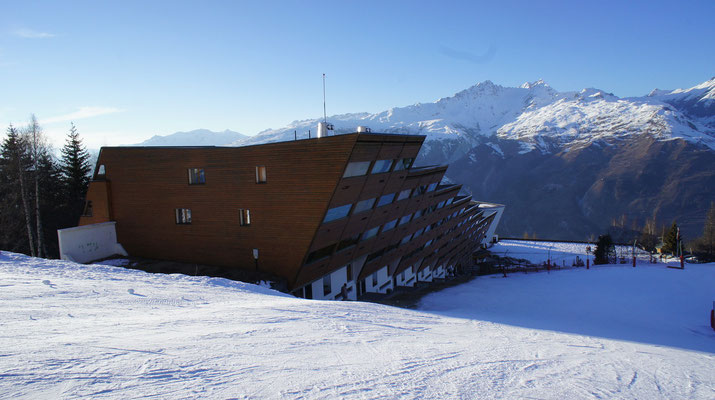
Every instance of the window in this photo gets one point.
(386, 199)
(87, 209)
(405, 219)
(389, 225)
(420, 190)
(372, 232)
(404, 194)
(375, 255)
(183, 216)
(101, 171)
(337, 213)
(418, 233)
(449, 201)
(374, 279)
(326, 285)
(349, 242)
(244, 217)
(441, 204)
(261, 174)
(406, 239)
(349, 272)
(320, 254)
(381, 166)
(405, 163)
(358, 168)
(432, 187)
(363, 205)
(196, 176)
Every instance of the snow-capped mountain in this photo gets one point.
(198, 137)
(534, 114)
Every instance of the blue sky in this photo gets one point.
(125, 71)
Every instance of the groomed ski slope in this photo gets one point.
(103, 332)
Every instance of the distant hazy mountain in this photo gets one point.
(198, 137)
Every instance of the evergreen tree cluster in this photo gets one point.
(38, 192)
(605, 252)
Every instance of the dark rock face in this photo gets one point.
(578, 192)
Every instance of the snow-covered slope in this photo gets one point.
(697, 102)
(75, 331)
(198, 137)
(594, 115)
(534, 114)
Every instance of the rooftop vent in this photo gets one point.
(363, 129)
(323, 128)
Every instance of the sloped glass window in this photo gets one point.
(420, 190)
(432, 187)
(386, 199)
(404, 194)
(363, 205)
(370, 233)
(358, 168)
(404, 163)
(320, 254)
(337, 213)
(405, 219)
(389, 225)
(381, 166)
(348, 242)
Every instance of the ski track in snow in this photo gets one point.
(75, 331)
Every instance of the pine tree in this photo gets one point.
(15, 197)
(605, 251)
(670, 240)
(74, 167)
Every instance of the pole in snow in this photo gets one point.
(634, 254)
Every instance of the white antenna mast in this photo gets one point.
(325, 114)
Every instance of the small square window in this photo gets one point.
(244, 217)
(183, 216)
(196, 176)
(261, 176)
(101, 171)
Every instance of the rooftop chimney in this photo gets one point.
(363, 129)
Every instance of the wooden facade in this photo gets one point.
(277, 198)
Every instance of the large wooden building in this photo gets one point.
(321, 213)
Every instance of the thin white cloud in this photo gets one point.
(32, 34)
(82, 113)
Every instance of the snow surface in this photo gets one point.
(103, 332)
(559, 253)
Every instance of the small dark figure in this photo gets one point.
(344, 291)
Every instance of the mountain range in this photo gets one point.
(566, 164)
